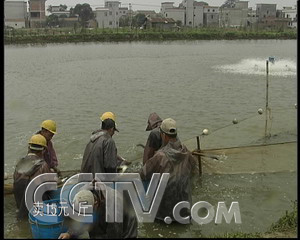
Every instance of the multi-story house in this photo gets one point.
(109, 15)
(37, 16)
(189, 12)
(291, 14)
(236, 15)
(264, 11)
(269, 17)
(210, 16)
(169, 11)
(15, 14)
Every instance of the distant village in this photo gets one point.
(188, 14)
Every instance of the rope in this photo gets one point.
(252, 116)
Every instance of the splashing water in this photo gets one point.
(281, 67)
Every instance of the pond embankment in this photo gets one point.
(27, 36)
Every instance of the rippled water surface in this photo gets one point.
(201, 84)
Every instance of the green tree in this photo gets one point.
(84, 11)
(52, 20)
(124, 21)
(63, 7)
(138, 20)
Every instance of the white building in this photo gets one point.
(109, 15)
(15, 14)
(189, 12)
(290, 12)
(169, 11)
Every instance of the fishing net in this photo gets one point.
(264, 142)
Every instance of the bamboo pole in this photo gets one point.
(199, 157)
(267, 98)
(201, 154)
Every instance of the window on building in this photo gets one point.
(166, 15)
(110, 13)
(264, 16)
(267, 11)
(120, 11)
(208, 10)
(110, 5)
(35, 14)
(212, 16)
(105, 14)
(190, 22)
(124, 12)
(110, 22)
(117, 13)
(117, 22)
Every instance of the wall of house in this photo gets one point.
(165, 5)
(265, 11)
(123, 12)
(189, 12)
(198, 16)
(175, 13)
(211, 16)
(102, 18)
(37, 9)
(241, 4)
(109, 16)
(15, 14)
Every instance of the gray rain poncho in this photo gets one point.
(26, 169)
(174, 158)
(100, 155)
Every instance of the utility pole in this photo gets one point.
(130, 17)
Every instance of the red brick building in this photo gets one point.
(37, 16)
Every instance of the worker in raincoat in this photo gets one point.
(175, 159)
(27, 168)
(154, 140)
(100, 228)
(48, 129)
(100, 155)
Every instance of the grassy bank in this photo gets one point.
(25, 36)
(285, 227)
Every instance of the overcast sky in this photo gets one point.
(155, 4)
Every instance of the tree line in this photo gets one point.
(84, 13)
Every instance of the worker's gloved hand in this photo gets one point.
(64, 236)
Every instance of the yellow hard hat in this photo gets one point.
(38, 140)
(108, 115)
(50, 125)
